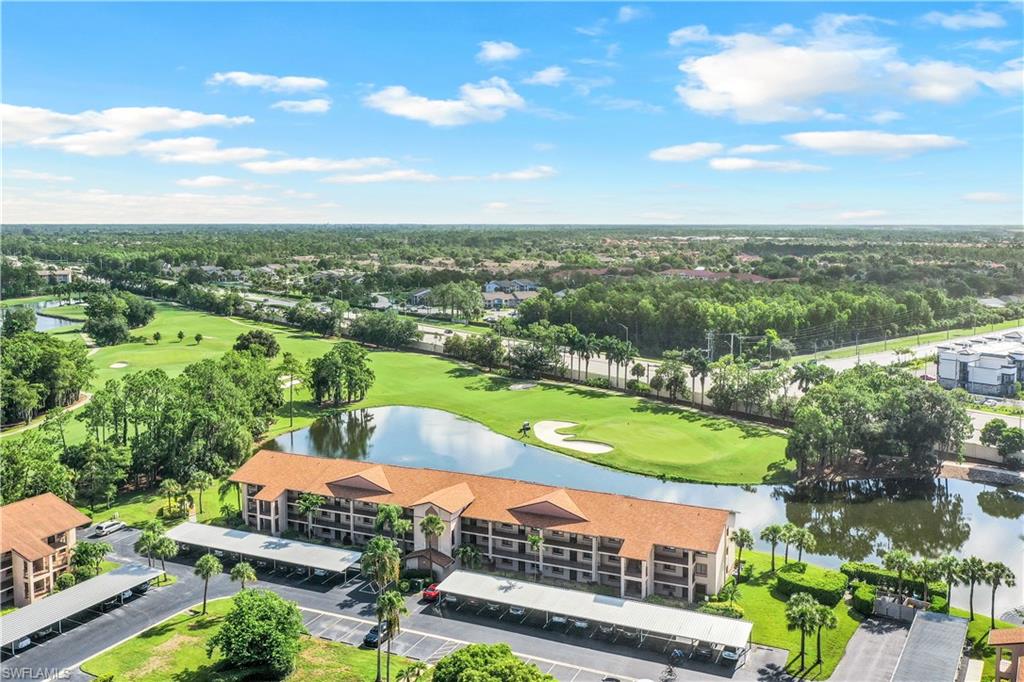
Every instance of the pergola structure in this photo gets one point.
(265, 547)
(675, 626)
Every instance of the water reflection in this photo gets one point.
(44, 323)
(851, 520)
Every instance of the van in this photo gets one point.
(108, 527)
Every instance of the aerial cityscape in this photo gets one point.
(512, 342)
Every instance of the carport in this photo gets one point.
(53, 610)
(676, 626)
(266, 548)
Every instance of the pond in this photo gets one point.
(853, 520)
(44, 324)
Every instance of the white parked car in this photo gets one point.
(108, 527)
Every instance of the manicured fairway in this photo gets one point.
(26, 299)
(176, 650)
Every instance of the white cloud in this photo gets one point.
(940, 81)
(755, 149)
(734, 163)
(552, 76)
(531, 173)
(686, 152)
(845, 142)
(988, 198)
(625, 104)
(266, 82)
(598, 28)
(885, 116)
(314, 164)
(698, 33)
(498, 51)
(958, 21)
(397, 175)
(495, 206)
(206, 181)
(303, 106)
(26, 174)
(198, 150)
(114, 131)
(628, 13)
(487, 100)
(867, 214)
(990, 44)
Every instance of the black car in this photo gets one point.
(703, 652)
(376, 635)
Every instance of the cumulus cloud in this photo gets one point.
(735, 163)
(552, 76)
(686, 152)
(314, 164)
(848, 142)
(697, 33)
(498, 51)
(486, 101)
(266, 82)
(755, 149)
(26, 174)
(867, 214)
(396, 175)
(200, 150)
(319, 105)
(205, 181)
(959, 21)
(531, 173)
(946, 82)
(989, 44)
(988, 198)
(628, 13)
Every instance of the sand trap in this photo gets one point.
(119, 365)
(521, 387)
(547, 431)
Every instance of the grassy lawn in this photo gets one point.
(176, 650)
(26, 299)
(136, 507)
(766, 610)
(75, 311)
(978, 631)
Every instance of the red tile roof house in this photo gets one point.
(631, 546)
(36, 538)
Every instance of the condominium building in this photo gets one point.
(36, 537)
(632, 546)
(993, 365)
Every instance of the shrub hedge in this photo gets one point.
(824, 585)
(864, 598)
(722, 608)
(876, 575)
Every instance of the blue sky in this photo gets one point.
(834, 113)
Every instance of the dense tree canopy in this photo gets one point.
(110, 316)
(486, 663)
(342, 374)
(261, 338)
(39, 372)
(261, 631)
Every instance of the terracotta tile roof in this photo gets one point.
(373, 478)
(437, 558)
(25, 524)
(1006, 636)
(451, 499)
(640, 523)
(556, 503)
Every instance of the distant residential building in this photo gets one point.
(333, 275)
(510, 285)
(991, 366)
(37, 536)
(420, 296)
(992, 302)
(494, 300)
(57, 275)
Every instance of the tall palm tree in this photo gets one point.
(803, 539)
(146, 544)
(387, 516)
(536, 541)
(949, 569)
(412, 673)
(788, 536)
(927, 571)
(170, 489)
(225, 486)
(382, 564)
(899, 561)
(772, 535)
(307, 504)
(432, 527)
(469, 555)
(996, 574)
(743, 539)
(402, 527)
(390, 609)
(164, 549)
(801, 614)
(200, 481)
(292, 368)
(243, 573)
(207, 567)
(972, 571)
(824, 617)
(587, 349)
(702, 368)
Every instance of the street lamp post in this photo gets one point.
(626, 328)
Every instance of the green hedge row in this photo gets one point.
(876, 575)
(722, 608)
(824, 585)
(864, 598)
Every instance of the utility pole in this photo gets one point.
(711, 345)
(626, 328)
(856, 342)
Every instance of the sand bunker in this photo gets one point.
(521, 387)
(119, 365)
(547, 431)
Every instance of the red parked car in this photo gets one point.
(431, 593)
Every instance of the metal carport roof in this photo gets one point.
(933, 648)
(265, 546)
(628, 613)
(66, 603)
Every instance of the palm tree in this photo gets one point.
(899, 561)
(700, 366)
(412, 673)
(949, 569)
(998, 573)
(772, 534)
(432, 527)
(387, 516)
(164, 549)
(535, 544)
(201, 480)
(803, 539)
(390, 609)
(587, 349)
(225, 486)
(381, 561)
(147, 542)
(291, 367)
(170, 489)
(307, 504)
(972, 571)
(801, 614)
(927, 571)
(824, 617)
(243, 573)
(469, 555)
(788, 536)
(207, 567)
(744, 539)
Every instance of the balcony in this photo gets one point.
(682, 558)
(510, 553)
(579, 564)
(634, 569)
(671, 579)
(499, 532)
(567, 543)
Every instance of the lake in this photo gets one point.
(854, 520)
(44, 323)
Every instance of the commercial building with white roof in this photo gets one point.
(991, 366)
